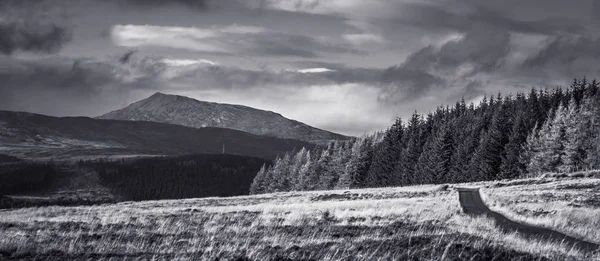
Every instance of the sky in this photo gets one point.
(348, 66)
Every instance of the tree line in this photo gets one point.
(192, 176)
(503, 137)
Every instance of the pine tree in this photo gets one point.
(512, 164)
(381, 172)
(280, 175)
(333, 166)
(357, 167)
(577, 135)
(405, 168)
(592, 134)
(491, 148)
(268, 180)
(304, 173)
(296, 164)
(435, 160)
(312, 180)
(549, 146)
(258, 184)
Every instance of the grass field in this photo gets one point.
(570, 206)
(411, 223)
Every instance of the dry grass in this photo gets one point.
(421, 222)
(571, 206)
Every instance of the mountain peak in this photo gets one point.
(181, 110)
(159, 94)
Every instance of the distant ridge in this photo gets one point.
(181, 110)
(28, 135)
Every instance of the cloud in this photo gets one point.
(90, 87)
(474, 14)
(189, 38)
(31, 37)
(316, 64)
(64, 86)
(187, 62)
(127, 56)
(195, 4)
(233, 40)
(565, 56)
(363, 39)
(452, 63)
(315, 70)
(31, 26)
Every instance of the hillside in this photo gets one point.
(189, 112)
(408, 223)
(28, 135)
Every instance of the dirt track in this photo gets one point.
(471, 203)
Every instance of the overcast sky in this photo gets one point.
(349, 66)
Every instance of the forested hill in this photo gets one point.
(502, 137)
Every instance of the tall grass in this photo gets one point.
(411, 223)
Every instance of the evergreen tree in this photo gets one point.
(360, 160)
(435, 160)
(333, 166)
(387, 154)
(316, 170)
(512, 164)
(577, 125)
(303, 173)
(296, 164)
(491, 148)
(259, 182)
(280, 175)
(549, 146)
(405, 168)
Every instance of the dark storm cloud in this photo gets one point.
(31, 26)
(439, 17)
(568, 55)
(481, 50)
(31, 37)
(127, 56)
(198, 4)
(59, 86)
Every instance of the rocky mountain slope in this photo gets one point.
(28, 135)
(189, 112)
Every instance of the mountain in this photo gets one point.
(189, 112)
(28, 135)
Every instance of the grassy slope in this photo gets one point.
(423, 222)
(571, 206)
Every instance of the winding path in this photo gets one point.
(472, 204)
